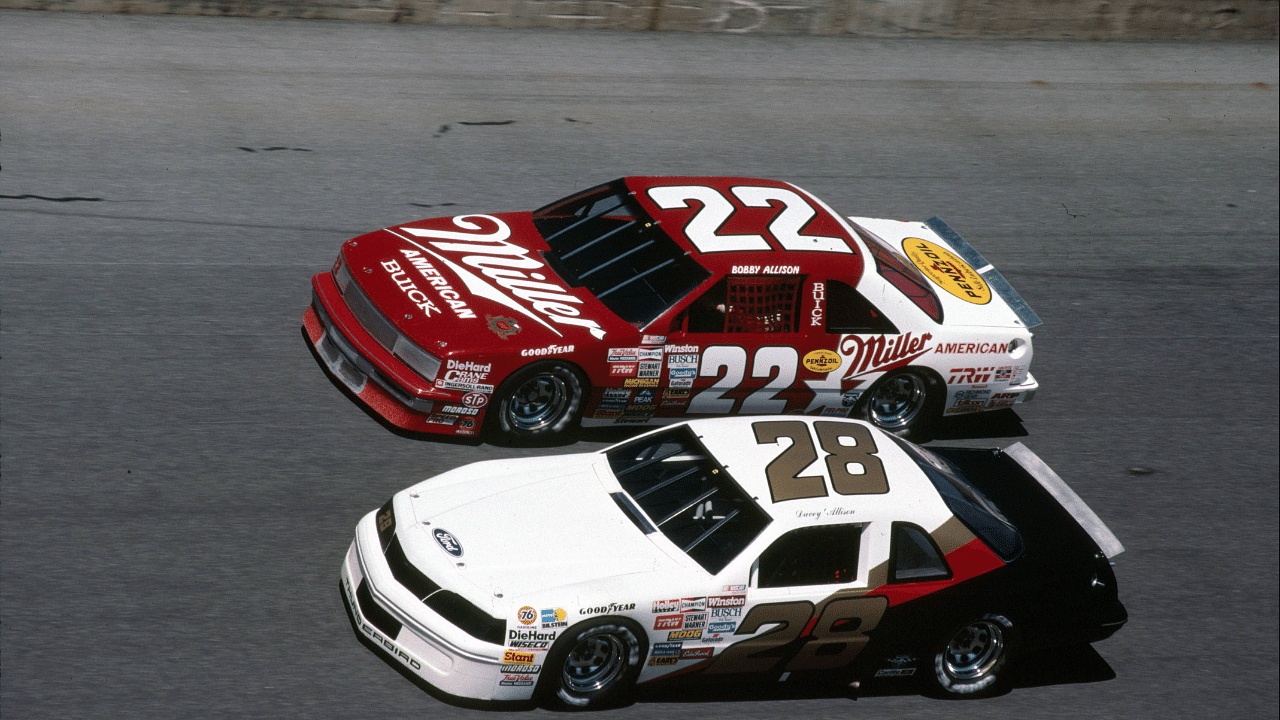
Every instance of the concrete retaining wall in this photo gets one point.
(988, 19)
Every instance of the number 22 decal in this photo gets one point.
(733, 360)
(783, 474)
(703, 228)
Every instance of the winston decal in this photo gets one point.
(508, 266)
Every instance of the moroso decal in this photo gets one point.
(506, 264)
(947, 271)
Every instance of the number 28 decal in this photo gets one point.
(703, 228)
(783, 474)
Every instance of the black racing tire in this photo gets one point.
(973, 659)
(538, 404)
(594, 665)
(903, 402)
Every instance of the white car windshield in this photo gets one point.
(690, 497)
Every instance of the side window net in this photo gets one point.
(849, 312)
(748, 304)
(826, 555)
(914, 556)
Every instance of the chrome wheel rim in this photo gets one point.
(594, 663)
(538, 402)
(897, 401)
(974, 650)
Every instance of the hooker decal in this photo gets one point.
(507, 265)
(947, 270)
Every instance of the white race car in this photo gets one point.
(802, 549)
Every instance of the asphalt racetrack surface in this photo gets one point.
(181, 480)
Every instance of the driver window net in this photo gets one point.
(762, 304)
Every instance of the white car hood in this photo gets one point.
(527, 525)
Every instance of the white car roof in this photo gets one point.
(910, 496)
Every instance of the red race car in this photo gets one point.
(650, 299)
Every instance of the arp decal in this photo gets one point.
(783, 474)
(506, 265)
(947, 270)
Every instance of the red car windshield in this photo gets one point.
(901, 274)
(602, 240)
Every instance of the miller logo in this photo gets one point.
(509, 266)
(877, 353)
(447, 542)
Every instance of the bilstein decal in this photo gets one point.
(509, 266)
(947, 270)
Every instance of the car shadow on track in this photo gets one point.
(1069, 665)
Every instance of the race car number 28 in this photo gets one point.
(836, 638)
(783, 474)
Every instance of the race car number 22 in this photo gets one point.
(703, 228)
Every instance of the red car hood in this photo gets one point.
(475, 283)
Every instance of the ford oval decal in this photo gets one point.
(447, 542)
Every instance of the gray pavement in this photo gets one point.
(178, 479)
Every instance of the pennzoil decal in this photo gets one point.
(821, 361)
(947, 270)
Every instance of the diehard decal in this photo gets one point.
(466, 375)
(947, 270)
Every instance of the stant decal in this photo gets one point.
(822, 361)
(507, 265)
(516, 657)
(947, 270)
(447, 542)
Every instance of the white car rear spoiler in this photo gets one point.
(990, 274)
(1058, 488)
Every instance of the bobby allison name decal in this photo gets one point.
(503, 263)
